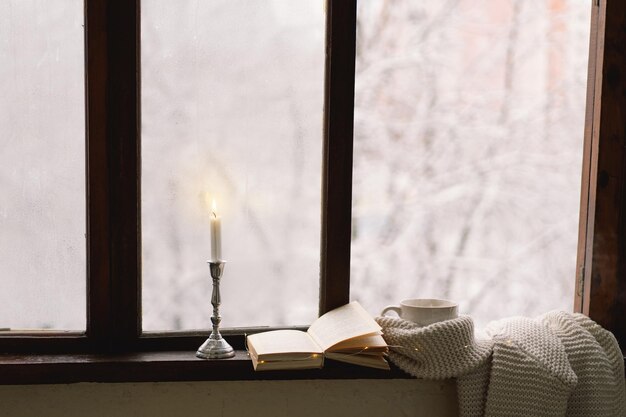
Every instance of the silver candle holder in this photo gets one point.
(216, 347)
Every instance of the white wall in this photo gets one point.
(255, 398)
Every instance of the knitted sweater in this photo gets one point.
(558, 364)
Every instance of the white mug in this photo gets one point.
(425, 311)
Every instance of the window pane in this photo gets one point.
(42, 168)
(232, 97)
(468, 149)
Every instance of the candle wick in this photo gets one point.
(214, 215)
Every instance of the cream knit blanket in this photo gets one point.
(558, 364)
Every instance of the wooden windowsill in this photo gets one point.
(162, 366)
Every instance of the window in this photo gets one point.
(42, 165)
(235, 101)
(469, 121)
(122, 198)
(114, 193)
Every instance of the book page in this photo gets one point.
(343, 323)
(279, 342)
(371, 343)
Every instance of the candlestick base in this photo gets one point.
(215, 348)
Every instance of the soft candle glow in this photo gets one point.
(216, 234)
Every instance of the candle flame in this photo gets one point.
(214, 208)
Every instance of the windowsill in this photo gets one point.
(163, 366)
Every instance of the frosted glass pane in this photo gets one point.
(468, 149)
(42, 165)
(232, 98)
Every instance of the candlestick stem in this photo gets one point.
(216, 347)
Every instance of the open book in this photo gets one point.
(347, 334)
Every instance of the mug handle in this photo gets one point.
(392, 308)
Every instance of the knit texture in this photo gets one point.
(472, 391)
(442, 350)
(530, 373)
(558, 364)
(596, 359)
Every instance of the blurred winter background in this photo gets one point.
(468, 145)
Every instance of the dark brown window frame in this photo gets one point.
(601, 264)
(113, 347)
(112, 45)
(113, 332)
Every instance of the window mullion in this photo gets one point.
(123, 138)
(337, 158)
(113, 173)
(98, 256)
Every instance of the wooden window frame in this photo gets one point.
(113, 347)
(113, 180)
(601, 263)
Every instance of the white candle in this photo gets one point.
(216, 234)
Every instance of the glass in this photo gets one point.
(232, 99)
(42, 165)
(469, 127)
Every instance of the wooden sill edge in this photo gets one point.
(162, 366)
